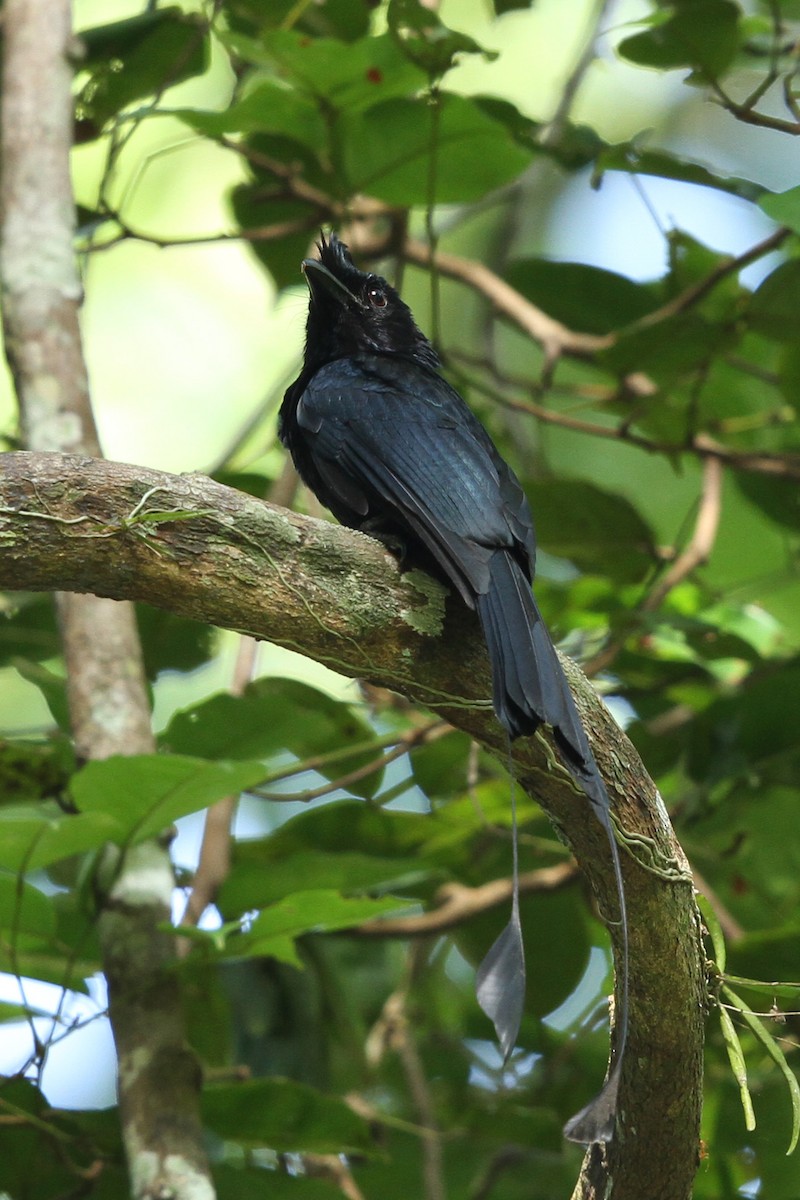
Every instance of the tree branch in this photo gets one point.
(204, 551)
(702, 540)
(457, 903)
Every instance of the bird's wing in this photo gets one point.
(399, 436)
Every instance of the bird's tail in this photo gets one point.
(530, 689)
(528, 682)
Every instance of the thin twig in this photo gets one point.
(457, 903)
(697, 291)
(393, 1030)
(554, 337)
(696, 553)
(414, 737)
(702, 541)
(554, 130)
(334, 1169)
(701, 445)
(752, 116)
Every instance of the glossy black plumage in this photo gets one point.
(392, 449)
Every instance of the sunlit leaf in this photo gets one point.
(141, 795)
(313, 911)
(33, 836)
(387, 150)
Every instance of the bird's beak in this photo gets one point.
(318, 276)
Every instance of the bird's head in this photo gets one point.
(354, 312)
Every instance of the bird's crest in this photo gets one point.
(335, 255)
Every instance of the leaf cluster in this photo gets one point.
(649, 414)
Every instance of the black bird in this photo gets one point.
(392, 449)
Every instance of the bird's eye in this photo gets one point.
(376, 297)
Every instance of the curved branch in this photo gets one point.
(702, 541)
(457, 903)
(205, 551)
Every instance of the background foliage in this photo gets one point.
(666, 436)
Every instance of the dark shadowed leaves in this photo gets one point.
(285, 1116)
(593, 528)
(274, 715)
(426, 40)
(703, 35)
(775, 307)
(134, 58)
(585, 298)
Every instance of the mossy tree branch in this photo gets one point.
(207, 552)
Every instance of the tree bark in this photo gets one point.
(158, 1079)
(204, 551)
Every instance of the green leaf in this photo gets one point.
(714, 930)
(668, 349)
(245, 1182)
(285, 1116)
(29, 631)
(783, 207)
(24, 909)
(33, 1143)
(52, 686)
(778, 498)
(346, 76)
(504, 6)
(170, 642)
(595, 529)
(19, 1012)
(633, 159)
(426, 41)
(130, 59)
(387, 151)
(441, 766)
(703, 35)
(32, 772)
(260, 875)
(773, 949)
(143, 794)
(315, 911)
(774, 309)
(772, 989)
(583, 297)
(776, 1054)
(349, 825)
(750, 733)
(736, 1058)
(275, 715)
(267, 107)
(331, 18)
(33, 836)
